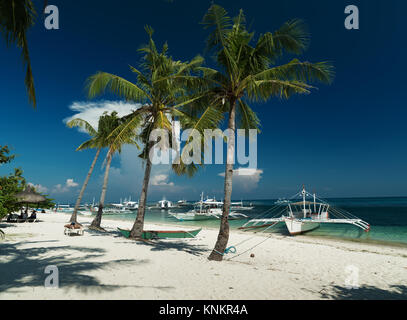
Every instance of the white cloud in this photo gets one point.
(69, 184)
(91, 111)
(245, 178)
(39, 188)
(161, 180)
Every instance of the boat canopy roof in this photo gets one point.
(306, 202)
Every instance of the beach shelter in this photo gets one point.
(29, 196)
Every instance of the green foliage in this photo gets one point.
(4, 155)
(246, 67)
(16, 18)
(103, 137)
(11, 185)
(166, 88)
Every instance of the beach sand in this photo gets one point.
(108, 266)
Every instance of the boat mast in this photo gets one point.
(315, 204)
(200, 206)
(303, 200)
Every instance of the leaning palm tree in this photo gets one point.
(248, 73)
(108, 123)
(96, 142)
(16, 17)
(162, 100)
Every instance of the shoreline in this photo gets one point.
(108, 266)
(384, 243)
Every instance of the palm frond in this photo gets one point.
(265, 89)
(77, 122)
(292, 37)
(90, 144)
(300, 71)
(218, 20)
(248, 118)
(102, 81)
(16, 18)
(127, 132)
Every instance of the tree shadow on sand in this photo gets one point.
(106, 233)
(395, 292)
(156, 245)
(165, 245)
(24, 267)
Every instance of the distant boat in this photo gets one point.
(182, 203)
(282, 201)
(163, 234)
(130, 205)
(208, 209)
(307, 215)
(239, 206)
(63, 208)
(165, 204)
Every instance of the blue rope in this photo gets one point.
(231, 249)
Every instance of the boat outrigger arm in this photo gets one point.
(306, 215)
(262, 223)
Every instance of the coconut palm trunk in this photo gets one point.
(223, 236)
(85, 184)
(98, 219)
(138, 226)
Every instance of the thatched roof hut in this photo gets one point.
(29, 196)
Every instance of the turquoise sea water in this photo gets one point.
(387, 217)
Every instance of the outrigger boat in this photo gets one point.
(163, 234)
(307, 215)
(240, 206)
(208, 209)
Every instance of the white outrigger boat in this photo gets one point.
(130, 205)
(208, 209)
(307, 215)
(240, 206)
(164, 204)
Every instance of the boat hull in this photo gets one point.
(193, 217)
(296, 227)
(162, 234)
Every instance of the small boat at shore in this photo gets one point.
(305, 216)
(163, 234)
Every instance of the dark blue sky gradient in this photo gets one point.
(347, 139)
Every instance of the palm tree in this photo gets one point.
(163, 100)
(104, 138)
(95, 142)
(16, 17)
(247, 73)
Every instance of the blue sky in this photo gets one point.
(347, 139)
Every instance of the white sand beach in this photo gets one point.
(108, 266)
